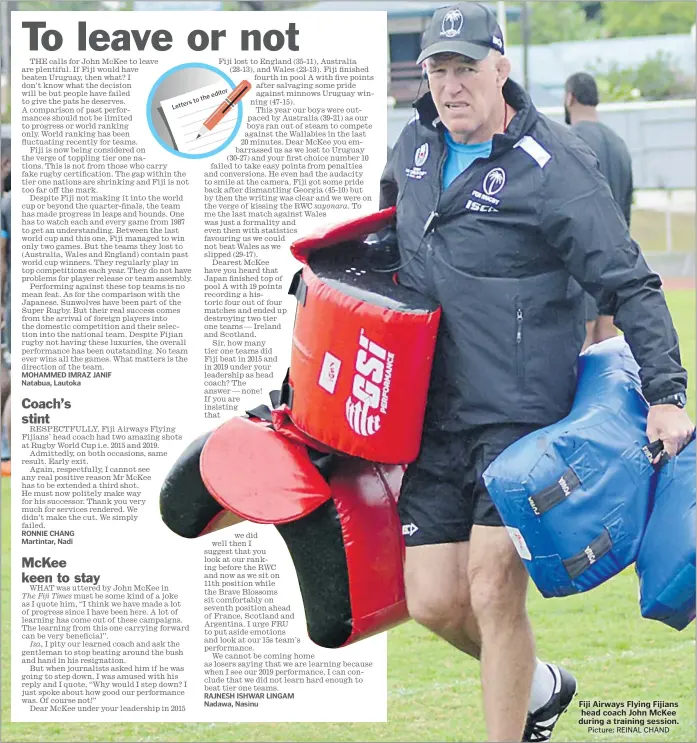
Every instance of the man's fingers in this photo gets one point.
(670, 446)
(686, 439)
(670, 425)
(674, 444)
(652, 431)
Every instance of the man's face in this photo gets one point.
(466, 93)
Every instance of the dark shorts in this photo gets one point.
(443, 493)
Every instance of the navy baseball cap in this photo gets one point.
(469, 29)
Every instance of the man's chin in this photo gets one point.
(459, 129)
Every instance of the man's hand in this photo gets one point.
(671, 425)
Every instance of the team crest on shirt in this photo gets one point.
(420, 157)
(484, 200)
(494, 181)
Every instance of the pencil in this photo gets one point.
(242, 89)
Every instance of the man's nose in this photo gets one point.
(452, 82)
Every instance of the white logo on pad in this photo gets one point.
(519, 542)
(371, 387)
(329, 373)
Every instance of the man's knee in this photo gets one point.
(436, 588)
(497, 579)
(437, 612)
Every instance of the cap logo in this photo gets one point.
(451, 24)
(421, 155)
(494, 181)
(497, 42)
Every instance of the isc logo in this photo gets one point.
(371, 386)
(475, 206)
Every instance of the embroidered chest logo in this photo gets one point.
(493, 183)
(420, 157)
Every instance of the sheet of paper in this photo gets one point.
(186, 113)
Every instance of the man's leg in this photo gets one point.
(498, 587)
(604, 328)
(435, 577)
(436, 512)
(438, 598)
(590, 335)
(591, 307)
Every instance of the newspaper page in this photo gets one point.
(174, 574)
(165, 164)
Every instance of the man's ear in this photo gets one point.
(503, 69)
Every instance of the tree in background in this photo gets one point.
(555, 21)
(579, 21)
(647, 19)
(657, 78)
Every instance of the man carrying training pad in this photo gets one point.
(499, 213)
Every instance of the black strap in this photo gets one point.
(553, 494)
(323, 461)
(261, 411)
(298, 287)
(287, 394)
(655, 453)
(599, 547)
(656, 449)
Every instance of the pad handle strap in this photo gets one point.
(580, 562)
(298, 287)
(554, 494)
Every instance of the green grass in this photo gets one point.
(649, 230)
(433, 691)
(683, 307)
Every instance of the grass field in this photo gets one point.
(433, 690)
(649, 230)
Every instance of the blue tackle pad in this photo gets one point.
(666, 561)
(575, 496)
